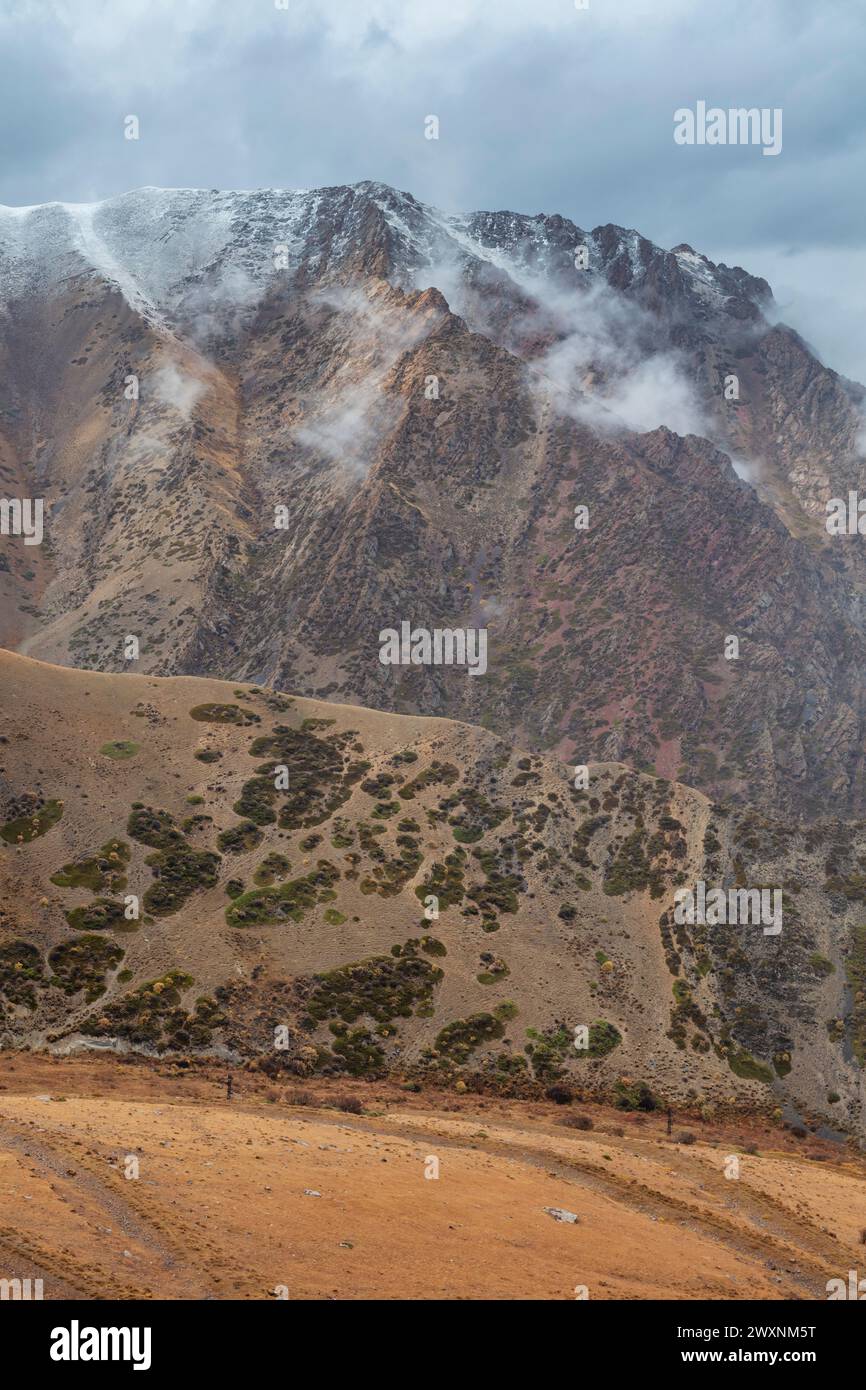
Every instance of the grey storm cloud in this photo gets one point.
(542, 107)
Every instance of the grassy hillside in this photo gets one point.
(190, 866)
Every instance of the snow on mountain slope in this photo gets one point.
(153, 243)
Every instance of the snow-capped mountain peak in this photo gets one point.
(155, 243)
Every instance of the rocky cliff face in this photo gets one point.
(269, 425)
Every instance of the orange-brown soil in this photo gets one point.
(280, 1193)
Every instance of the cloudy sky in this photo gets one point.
(542, 107)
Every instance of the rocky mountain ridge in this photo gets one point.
(269, 425)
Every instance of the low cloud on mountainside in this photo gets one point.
(346, 423)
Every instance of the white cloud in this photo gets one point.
(603, 368)
(219, 305)
(176, 388)
(346, 421)
(821, 292)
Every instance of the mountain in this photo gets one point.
(422, 901)
(428, 398)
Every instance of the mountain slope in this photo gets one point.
(429, 398)
(306, 909)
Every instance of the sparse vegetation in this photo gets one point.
(34, 821)
(103, 871)
(240, 838)
(120, 749)
(290, 901)
(458, 1040)
(855, 972)
(635, 1095)
(383, 988)
(82, 964)
(100, 915)
(21, 970)
(224, 714)
(154, 1016)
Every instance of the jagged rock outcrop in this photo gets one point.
(428, 398)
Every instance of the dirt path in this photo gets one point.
(257, 1200)
(743, 1218)
(94, 1191)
